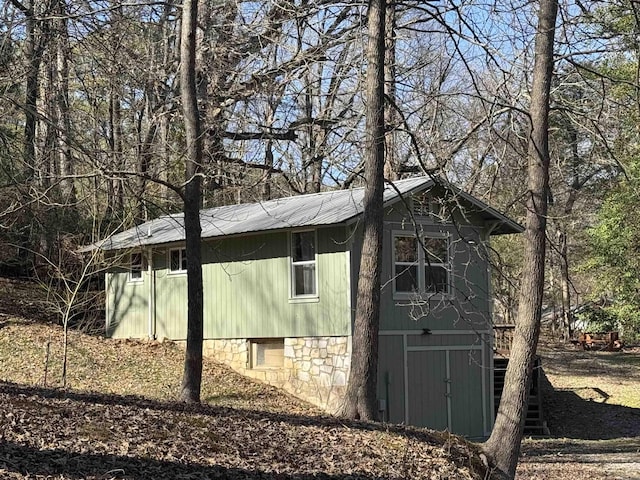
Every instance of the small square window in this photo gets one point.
(178, 260)
(421, 267)
(267, 353)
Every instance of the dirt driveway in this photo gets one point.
(592, 407)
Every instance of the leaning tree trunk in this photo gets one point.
(192, 378)
(503, 447)
(360, 399)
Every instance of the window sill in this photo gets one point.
(135, 281)
(310, 299)
(177, 273)
(408, 299)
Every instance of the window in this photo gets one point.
(178, 260)
(135, 267)
(436, 208)
(303, 264)
(267, 353)
(436, 271)
(420, 269)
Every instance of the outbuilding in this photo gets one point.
(280, 281)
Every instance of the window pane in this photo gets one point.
(406, 249)
(175, 260)
(406, 278)
(304, 246)
(436, 250)
(136, 265)
(421, 204)
(183, 263)
(436, 279)
(305, 279)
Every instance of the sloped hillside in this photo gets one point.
(117, 420)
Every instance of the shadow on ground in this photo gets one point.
(583, 413)
(32, 462)
(24, 392)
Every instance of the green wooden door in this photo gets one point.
(466, 392)
(445, 390)
(427, 381)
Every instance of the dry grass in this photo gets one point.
(592, 404)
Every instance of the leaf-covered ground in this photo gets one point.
(592, 405)
(117, 420)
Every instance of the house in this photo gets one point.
(280, 281)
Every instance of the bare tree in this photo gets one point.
(503, 447)
(360, 397)
(192, 379)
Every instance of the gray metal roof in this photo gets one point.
(326, 208)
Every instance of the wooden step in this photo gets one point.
(534, 422)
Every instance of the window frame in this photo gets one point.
(422, 263)
(293, 297)
(182, 260)
(256, 344)
(426, 205)
(136, 267)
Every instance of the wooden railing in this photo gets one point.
(502, 338)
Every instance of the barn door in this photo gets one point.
(427, 380)
(466, 392)
(445, 390)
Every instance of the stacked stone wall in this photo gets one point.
(315, 369)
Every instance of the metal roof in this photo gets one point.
(326, 208)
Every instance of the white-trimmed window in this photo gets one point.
(136, 266)
(178, 260)
(267, 353)
(421, 268)
(303, 264)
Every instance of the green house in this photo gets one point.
(280, 281)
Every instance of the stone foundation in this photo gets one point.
(315, 369)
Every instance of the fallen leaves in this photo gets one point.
(119, 421)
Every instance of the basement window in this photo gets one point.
(267, 353)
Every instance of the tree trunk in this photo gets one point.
(503, 447)
(391, 167)
(63, 51)
(565, 285)
(360, 398)
(192, 378)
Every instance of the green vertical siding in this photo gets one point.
(246, 291)
(127, 307)
(466, 392)
(467, 307)
(248, 288)
(391, 376)
(170, 299)
(427, 389)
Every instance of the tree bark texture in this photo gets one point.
(391, 164)
(360, 398)
(503, 447)
(192, 378)
(63, 52)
